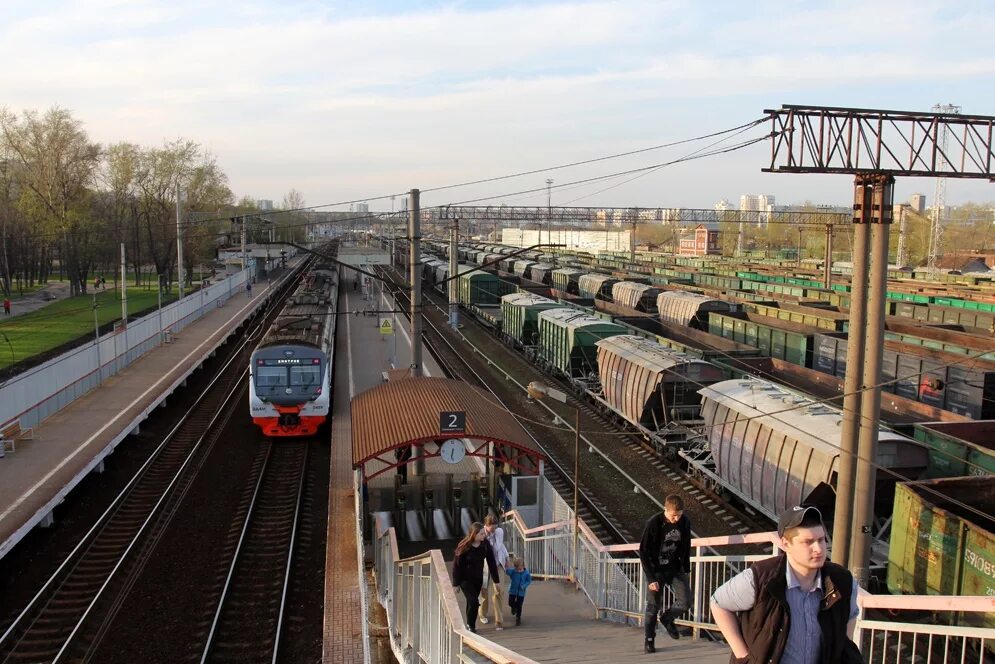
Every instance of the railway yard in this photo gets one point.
(205, 537)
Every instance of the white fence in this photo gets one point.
(423, 615)
(890, 629)
(43, 390)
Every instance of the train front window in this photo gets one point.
(305, 376)
(268, 379)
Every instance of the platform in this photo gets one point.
(362, 355)
(72, 442)
(558, 625)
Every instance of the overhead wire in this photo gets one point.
(810, 401)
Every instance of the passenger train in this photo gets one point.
(290, 371)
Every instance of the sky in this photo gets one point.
(348, 101)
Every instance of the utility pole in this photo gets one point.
(179, 242)
(453, 273)
(799, 246)
(96, 341)
(549, 210)
(245, 261)
(940, 197)
(124, 291)
(739, 239)
(414, 237)
(900, 257)
(632, 240)
(827, 276)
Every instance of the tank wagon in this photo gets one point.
(690, 309)
(641, 297)
(290, 370)
(774, 448)
(567, 339)
(651, 385)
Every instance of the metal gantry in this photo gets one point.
(874, 146)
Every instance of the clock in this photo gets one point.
(452, 450)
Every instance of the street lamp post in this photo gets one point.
(538, 390)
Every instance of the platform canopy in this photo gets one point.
(425, 412)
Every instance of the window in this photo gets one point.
(271, 377)
(308, 375)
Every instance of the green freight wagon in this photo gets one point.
(520, 316)
(775, 338)
(942, 541)
(477, 287)
(823, 319)
(958, 448)
(567, 340)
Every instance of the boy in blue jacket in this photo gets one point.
(520, 579)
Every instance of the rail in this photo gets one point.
(423, 615)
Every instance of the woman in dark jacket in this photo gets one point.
(468, 569)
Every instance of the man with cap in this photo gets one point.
(794, 608)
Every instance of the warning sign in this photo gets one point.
(386, 327)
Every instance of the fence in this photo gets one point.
(44, 390)
(423, 615)
(612, 578)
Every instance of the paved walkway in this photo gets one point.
(558, 625)
(39, 299)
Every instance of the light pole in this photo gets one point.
(538, 390)
(96, 341)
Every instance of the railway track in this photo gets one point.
(73, 610)
(249, 618)
(594, 512)
(635, 461)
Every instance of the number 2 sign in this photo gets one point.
(452, 422)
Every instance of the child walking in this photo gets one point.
(520, 580)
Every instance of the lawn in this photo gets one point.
(65, 320)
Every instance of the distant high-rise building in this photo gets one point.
(918, 203)
(264, 204)
(362, 207)
(723, 205)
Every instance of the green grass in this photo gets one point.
(67, 319)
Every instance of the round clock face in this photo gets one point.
(452, 450)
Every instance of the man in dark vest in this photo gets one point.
(795, 608)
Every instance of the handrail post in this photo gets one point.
(696, 589)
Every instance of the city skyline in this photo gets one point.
(346, 102)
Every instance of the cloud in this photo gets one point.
(312, 92)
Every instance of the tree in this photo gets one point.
(55, 165)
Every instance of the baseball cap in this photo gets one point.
(793, 517)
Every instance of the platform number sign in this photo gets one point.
(452, 421)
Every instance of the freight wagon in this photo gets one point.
(775, 338)
(650, 385)
(958, 448)
(942, 541)
(567, 339)
(938, 378)
(636, 296)
(596, 286)
(520, 316)
(774, 448)
(690, 309)
(566, 280)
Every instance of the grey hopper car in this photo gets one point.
(689, 309)
(776, 449)
(596, 286)
(649, 384)
(641, 297)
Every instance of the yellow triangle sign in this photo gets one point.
(386, 327)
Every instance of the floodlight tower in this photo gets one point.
(940, 196)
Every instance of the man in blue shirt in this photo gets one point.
(796, 608)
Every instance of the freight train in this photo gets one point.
(615, 351)
(290, 371)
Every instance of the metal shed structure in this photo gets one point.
(377, 430)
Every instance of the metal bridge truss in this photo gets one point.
(851, 141)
